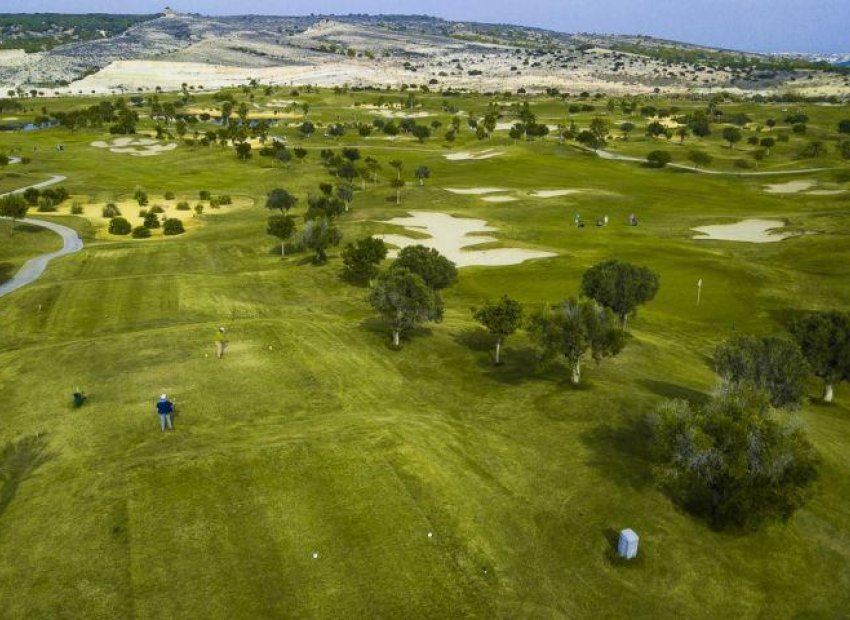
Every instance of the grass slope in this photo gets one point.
(312, 436)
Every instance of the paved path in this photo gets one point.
(33, 268)
(602, 154)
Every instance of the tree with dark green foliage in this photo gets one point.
(575, 329)
(141, 232)
(346, 194)
(422, 173)
(320, 234)
(141, 197)
(658, 159)
(772, 364)
(734, 461)
(300, 153)
(243, 150)
(437, 270)
(622, 287)
(307, 129)
(501, 319)
(119, 226)
(151, 220)
(281, 226)
(361, 259)
(14, 207)
(405, 300)
(397, 185)
(281, 200)
(732, 135)
(173, 226)
(824, 338)
(844, 126)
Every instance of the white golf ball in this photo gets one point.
(430, 534)
(315, 555)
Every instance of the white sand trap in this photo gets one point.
(553, 193)
(280, 103)
(475, 191)
(499, 199)
(467, 155)
(751, 231)
(391, 114)
(139, 147)
(826, 192)
(450, 235)
(791, 187)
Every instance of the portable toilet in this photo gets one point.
(627, 547)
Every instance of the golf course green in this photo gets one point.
(316, 471)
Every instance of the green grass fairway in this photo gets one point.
(312, 435)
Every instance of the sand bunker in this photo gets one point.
(553, 193)
(826, 192)
(450, 235)
(751, 231)
(467, 155)
(499, 199)
(280, 103)
(391, 114)
(138, 147)
(791, 187)
(475, 191)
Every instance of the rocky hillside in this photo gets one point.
(211, 52)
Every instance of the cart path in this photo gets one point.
(34, 267)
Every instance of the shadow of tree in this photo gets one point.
(672, 390)
(475, 339)
(18, 461)
(6, 272)
(621, 453)
(379, 327)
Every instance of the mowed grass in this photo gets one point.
(312, 436)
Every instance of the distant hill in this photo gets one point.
(119, 53)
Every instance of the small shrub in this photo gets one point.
(173, 226)
(151, 221)
(77, 208)
(140, 232)
(111, 210)
(225, 200)
(120, 226)
(169, 195)
(183, 206)
(204, 194)
(658, 159)
(199, 208)
(46, 205)
(214, 203)
(743, 164)
(156, 209)
(143, 212)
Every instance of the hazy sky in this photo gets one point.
(757, 25)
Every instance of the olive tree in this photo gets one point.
(281, 226)
(361, 259)
(14, 207)
(405, 300)
(622, 287)
(824, 338)
(576, 330)
(501, 319)
(319, 234)
(734, 461)
(772, 364)
(436, 270)
(280, 199)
